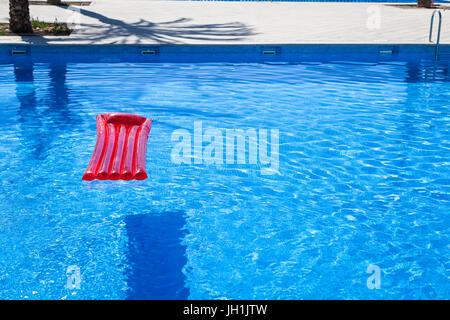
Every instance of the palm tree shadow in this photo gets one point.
(173, 32)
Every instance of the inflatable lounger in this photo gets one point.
(121, 147)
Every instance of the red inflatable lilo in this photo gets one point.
(121, 148)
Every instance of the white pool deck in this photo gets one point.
(205, 22)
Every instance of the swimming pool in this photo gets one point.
(362, 178)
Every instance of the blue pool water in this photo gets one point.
(363, 179)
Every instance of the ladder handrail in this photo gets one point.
(436, 50)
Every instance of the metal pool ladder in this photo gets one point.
(436, 48)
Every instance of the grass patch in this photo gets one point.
(40, 28)
(56, 28)
(39, 24)
(4, 28)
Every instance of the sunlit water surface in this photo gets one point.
(363, 179)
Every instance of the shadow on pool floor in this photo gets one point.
(156, 256)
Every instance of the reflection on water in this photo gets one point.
(41, 120)
(156, 256)
(29, 119)
(58, 98)
(426, 73)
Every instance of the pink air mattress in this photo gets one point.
(121, 148)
